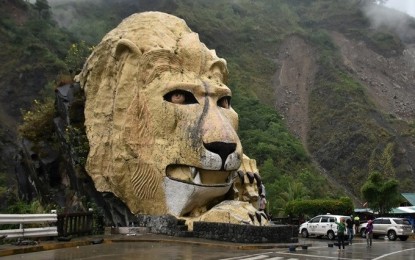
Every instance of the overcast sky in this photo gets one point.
(407, 6)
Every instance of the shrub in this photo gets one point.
(342, 206)
(38, 122)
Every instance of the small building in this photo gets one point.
(410, 199)
(405, 210)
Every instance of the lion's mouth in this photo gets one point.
(197, 176)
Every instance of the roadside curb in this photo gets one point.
(14, 250)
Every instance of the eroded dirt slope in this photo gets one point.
(292, 84)
(390, 82)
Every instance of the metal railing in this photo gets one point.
(77, 224)
(29, 219)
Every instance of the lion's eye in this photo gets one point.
(224, 102)
(179, 96)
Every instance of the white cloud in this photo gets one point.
(406, 6)
(397, 21)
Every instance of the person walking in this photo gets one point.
(349, 226)
(263, 204)
(341, 228)
(369, 233)
(356, 224)
(262, 213)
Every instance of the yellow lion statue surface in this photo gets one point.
(160, 125)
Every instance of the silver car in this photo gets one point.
(390, 227)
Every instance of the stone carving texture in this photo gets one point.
(161, 129)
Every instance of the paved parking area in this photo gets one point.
(381, 249)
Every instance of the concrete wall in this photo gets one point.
(165, 224)
(246, 233)
(170, 225)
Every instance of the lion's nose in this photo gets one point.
(222, 149)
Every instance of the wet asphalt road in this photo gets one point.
(381, 249)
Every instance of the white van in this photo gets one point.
(322, 225)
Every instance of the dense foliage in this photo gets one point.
(32, 49)
(302, 208)
(76, 56)
(38, 121)
(36, 44)
(381, 193)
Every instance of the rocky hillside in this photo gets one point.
(347, 148)
(340, 81)
(32, 49)
(387, 83)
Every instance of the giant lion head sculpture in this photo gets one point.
(159, 120)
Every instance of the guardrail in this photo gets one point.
(77, 224)
(24, 219)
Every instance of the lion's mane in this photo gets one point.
(116, 118)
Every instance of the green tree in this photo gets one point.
(42, 6)
(301, 208)
(386, 160)
(38, 122)
(24, 207)
(3, 186)
(76, 56)
(381, 193)
(293, 191)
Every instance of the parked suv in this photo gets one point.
(322, 225)
(391, 227)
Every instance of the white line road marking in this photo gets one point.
(318, 256)
(320, 247)
(251, 257)
(396, 252)
(256, 257)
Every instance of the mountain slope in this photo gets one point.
(341, 82)
(32, 49)
(355, 113)
(340, 77)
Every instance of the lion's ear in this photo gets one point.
(126, 45)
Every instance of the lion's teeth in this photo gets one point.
(193, 172)
(195, 175)
(197, 179)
